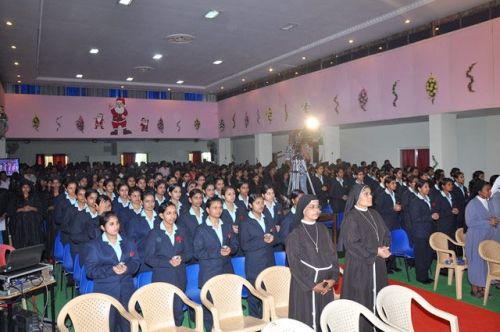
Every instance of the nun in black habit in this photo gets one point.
(313, 264)
(366, 240)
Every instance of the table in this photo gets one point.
(33, 291)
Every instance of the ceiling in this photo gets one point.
(53, 38)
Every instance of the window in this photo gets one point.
(128, 158)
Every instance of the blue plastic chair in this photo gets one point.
(192, 290)
(83, 280)
(77, 270)
(400, 247)
(239, 269)
(67, 262)
(340, 218)
(58, 248)
(280, 258)
(143, 279)
(89, 287)
(327, 209)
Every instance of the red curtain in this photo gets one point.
(422, 158)
(407, 157)
(128, 158)
(196, 157)
(40, 160)
(59, 159)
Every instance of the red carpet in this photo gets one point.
(470, 318)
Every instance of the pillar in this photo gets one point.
(224, 151)
(330, 150)
(263, 148)
(443, 140)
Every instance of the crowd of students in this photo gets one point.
(160, 217)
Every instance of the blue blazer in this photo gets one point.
(65, 223)
(116, 206)
(385, 206)
(206, 248)
(421, 219)
(240, 216)
(241, 205)
(259, 255)
(83, 229)
(138, 229)
(189, 222)
(61, 204)
(278, 213)
(158, 250)
(288, 224)
(100, 259)
(447, 222)
(125, 216)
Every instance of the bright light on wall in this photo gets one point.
(312, 123)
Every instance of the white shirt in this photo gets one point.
(243, 200)
(5, 184)
(484, 202)
(341, 181)
(293, 209)
(160, 202)
(116, 247)
(393, 196)
(217, 230)
(179, 208)
(425, 199)
(131, 207)
(461, 186)
(260, 221)
(200, 218)
(231, 213)
(170, 236)
(92, 215)
(151, 222)
(123, 203)
(448, 197)
(270, 209)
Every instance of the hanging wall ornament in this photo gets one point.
(144, 124)
(80, 124)
(234, 120)
(269, 115)
(337, 104)
(197, 124)
(395, 94)
(35, 122)
(178, 125)
(58, 122)
(247, 120)
(258, 116)
(363, 99)
(306, 107)
(470, 77)
(222, 125)
(160, 125)
(286, 114)
(99, 121)
(431, 87)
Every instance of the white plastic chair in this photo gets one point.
(287, 325)
(344, 315)
(394, 308)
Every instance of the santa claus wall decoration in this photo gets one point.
(119, 113)
(144, 124)
(99, 121)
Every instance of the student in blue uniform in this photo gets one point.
(127, 214)
(461, 197)
(70, 214)
(195, 215)
(85, 227)
(109, 189)
(122, 201)
(111, 261)
(257, 241)
(166, 250)
(160, 190)
(208, 191)
(423, 219)
(272, 209)
(139, 227)
(175, 194)
(339, 191)
(243, 189)
(219, 186)
(231, 213)
(447, 209)
(68, 199)
(289, 222)
(408, 195)
(213, 244)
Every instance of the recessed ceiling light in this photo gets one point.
(125, 2)
(18, 76)
(169, 89)
(380, 48)
(129, 79)
(9, 23)
(19, 82)
(267, 82)
(78, 75)
(217, 62)
(212, 14)
(16, 63)
(122, 86)
(303, 58)
(179, 82)
(243, 80)
(288, 27)
(157, 56)
(13, 47)
(222, 88)
(351, 41)
(271, 69)
(296, 73)
(407, 21)
(94, 51)
(436, 28)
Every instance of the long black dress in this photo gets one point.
(362, 265)
(26, 227)
(304, 262)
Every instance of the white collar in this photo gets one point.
(360, 208)
(163, 228)
(209, 223)
(426, 198)
(92, 215)
(224, 206)
(307, 222)
(251, 215)
(104, 238)
(242, 199)
(293, 209)
(444, 195)
(482, 200)
(143, 214)
(389, 192)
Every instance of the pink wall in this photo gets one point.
(22, 108)
(447, 57)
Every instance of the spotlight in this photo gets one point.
(312, 123)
